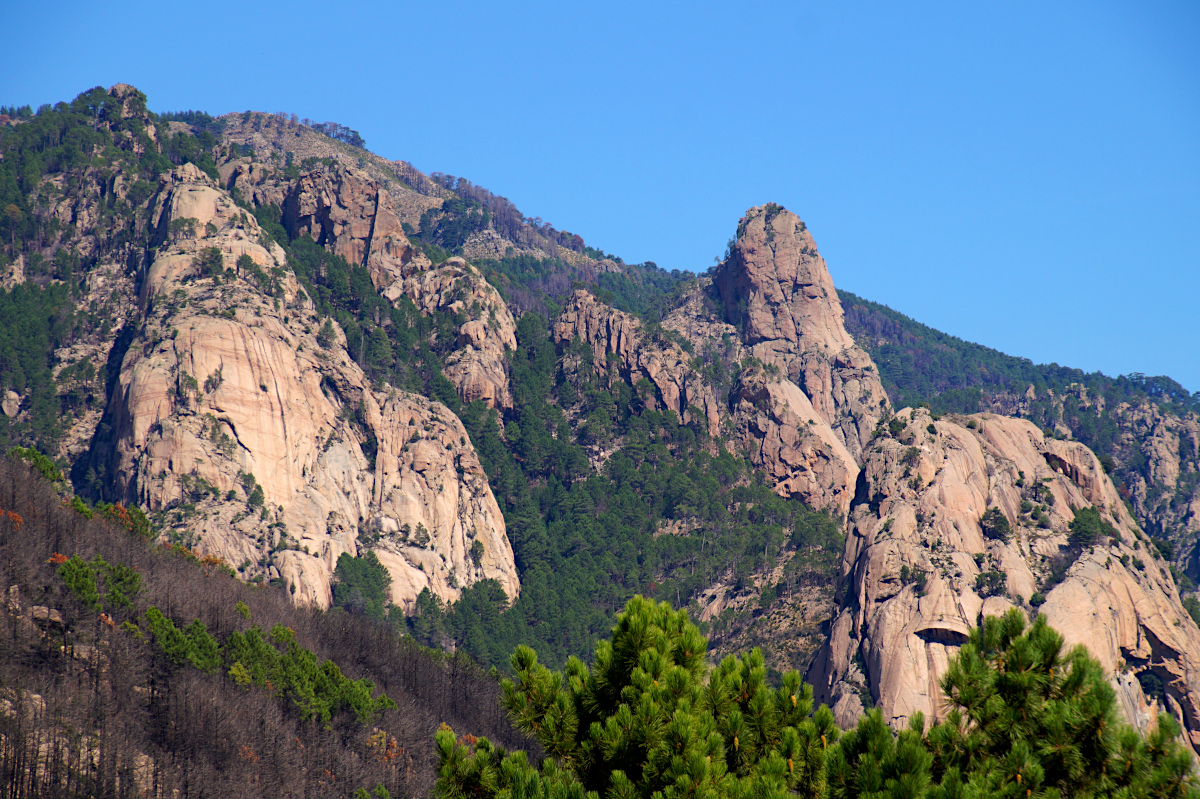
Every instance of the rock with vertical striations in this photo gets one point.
(348, 212)
(259, 446)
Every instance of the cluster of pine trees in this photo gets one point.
(587, 541)
(651, 719)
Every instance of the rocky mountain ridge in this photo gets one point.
(236, 390)
(227, 390)
(777, 287)
(959, 518)
(1144, 428)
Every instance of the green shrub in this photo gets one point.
(1088, 528)
(651, 718)
(995, 525)
(38, 461)
(991, 583)
(1192, 606)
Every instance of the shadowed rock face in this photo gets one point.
(348, 212)
(790, 441)
(776, 288)
(919, 571)
(226, 379)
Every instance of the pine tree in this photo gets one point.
(650, 718)
(1031, 720)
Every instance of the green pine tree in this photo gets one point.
(1032, 720)
(651, 720)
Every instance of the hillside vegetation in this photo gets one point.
(132, 669)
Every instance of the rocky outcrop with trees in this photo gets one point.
(366, 386)
(960, 518)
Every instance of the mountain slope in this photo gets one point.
(100, 697)
(239, 325)
(1146, 430)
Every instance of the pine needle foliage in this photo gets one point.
(1032, 719)
(651, 719)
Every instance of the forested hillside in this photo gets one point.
(923, 365)
(130, 668)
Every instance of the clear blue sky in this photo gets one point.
(1024, 175)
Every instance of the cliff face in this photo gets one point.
(352, 214)
(639, 356)
(791, 442)
(920, 569)
(776, 287)
(805, 398)
(478, 366)
(267, 450)
(1166, 493)
(348, 212)
(1146, 429)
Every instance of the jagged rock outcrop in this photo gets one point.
(257, 445)
(776, 288)
(919, 570)
(351, 213)
(772, 418)
(790, 441)
(1155, 456)
(274, 140)
(639, 355)
(1166, 495)
(478, 366)
(348, 212)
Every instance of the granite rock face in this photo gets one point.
(776, 288)
(478, 365)
(352, 214)
(639, 355)
(920, 569)
(791, 442)
(349, 212)
(261, 447)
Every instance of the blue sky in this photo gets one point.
(1024, 175)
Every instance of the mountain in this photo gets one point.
(332, 373)
(1146, 430)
